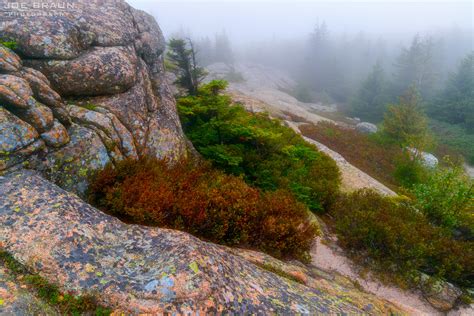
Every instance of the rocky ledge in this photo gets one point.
(83, 87)
(138, 269)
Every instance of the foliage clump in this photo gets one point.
(366, 152)
(398, 238)
(264, 152)
(205, 202)
(405, 124)
(370, 101)
(447, 199)
(455, 104)
(182, 62)
(8, 44)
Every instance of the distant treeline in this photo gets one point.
(365, 74)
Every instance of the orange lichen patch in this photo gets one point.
(299, 276)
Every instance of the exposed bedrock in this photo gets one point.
(92, 76)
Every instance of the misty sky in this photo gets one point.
(246, 21)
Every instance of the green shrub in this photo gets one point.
(455, 137)
(205, 202)
(266, 153)
(398, 238)
(90, 106)
(409, 170)
(9, 44)
(447, 199)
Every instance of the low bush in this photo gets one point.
(447, 199)
(205, 202)
(409, 170)
(398, 238)
(455, 137)
(8, 43)
(366, 152)
(262, 150)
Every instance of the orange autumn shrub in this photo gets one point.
(205, 202)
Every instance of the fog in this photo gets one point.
(329, 48)
(246, 21)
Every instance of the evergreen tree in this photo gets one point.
(205, 51)
(370, 101)
(405, 123)
(415, 66)
(323, 69)
(223, 50)
(317, 60)
(455, 104)
(183, 56)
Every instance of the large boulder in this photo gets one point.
(90, 74)
(441, 294)
(140, 270)
(27, 126)
(366, 128)
(428, 160)
(99, 71)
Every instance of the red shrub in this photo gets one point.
(206, 203)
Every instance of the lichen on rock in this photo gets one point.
(140, 269)
(103, 53)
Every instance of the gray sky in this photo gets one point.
(247, 20)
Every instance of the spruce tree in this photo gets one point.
(183, 56)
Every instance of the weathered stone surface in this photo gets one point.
(109, 124)
(152, 121)
(9, 61)
(41, 87)
(150, 42)
(15, 92)
(23, 118)
(366, 128)
(45, 37)
(441, 294)
(72, 165)
(109, 56)
(16, 300)
(39, 116)
(150, 270)
(104, 53)
(99, 71)
(14, 133)
(57, 136)
(43, 93)
(429, 160)
(109, 21)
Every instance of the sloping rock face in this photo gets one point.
(15, 299)
(150, 270)
(84, 86)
